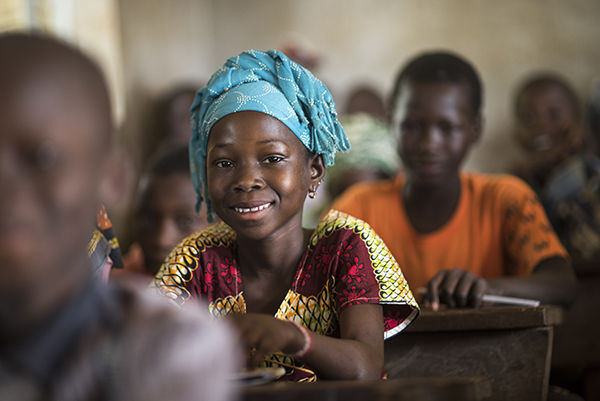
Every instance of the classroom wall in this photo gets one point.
(365, 41)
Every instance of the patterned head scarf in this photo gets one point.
(270, 83)
(373, 146)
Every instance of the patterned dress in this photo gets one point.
(345, 264)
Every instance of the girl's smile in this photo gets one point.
(252, 209)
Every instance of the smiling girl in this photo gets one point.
(318, 302)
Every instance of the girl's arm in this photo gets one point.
(358, 354)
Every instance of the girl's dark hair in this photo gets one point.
(440, 67)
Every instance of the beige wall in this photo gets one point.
(365, 41)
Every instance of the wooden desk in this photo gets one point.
(421, 389)
(512, 346)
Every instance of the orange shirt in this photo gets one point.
(499, 228)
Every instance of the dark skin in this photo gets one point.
(165, 216)
(548, 129)
(437, 127)
(259, 174)
(53, 176)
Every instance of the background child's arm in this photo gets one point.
(358, 354)
(552, 282)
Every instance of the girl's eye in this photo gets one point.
(224, 164)
(273, 159)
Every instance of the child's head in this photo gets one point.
(436, 115)
(547, 111)
(55, 131)
(175, 114)
(365, 99)
(165, 212)
(263, 130)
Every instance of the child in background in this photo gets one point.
(174, 114)
(164, 212)
(364, 99)
(64, 335)
(316, 302)
(460, 234)
(549, 127)
(566, 175)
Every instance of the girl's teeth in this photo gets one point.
(252, 209)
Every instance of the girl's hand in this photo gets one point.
(456, 288)
(262, 334)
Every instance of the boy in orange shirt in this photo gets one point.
(460, 234)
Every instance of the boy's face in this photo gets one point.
(49, 175)
(259, 174)
(545, 116)
(435, 128)
(166, 216)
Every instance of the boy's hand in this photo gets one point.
(456, 288)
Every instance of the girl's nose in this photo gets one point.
(249, 178)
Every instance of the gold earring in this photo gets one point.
(312, 192)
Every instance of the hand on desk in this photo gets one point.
(552, 282)
(455, 288)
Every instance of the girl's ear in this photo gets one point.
(317, 168)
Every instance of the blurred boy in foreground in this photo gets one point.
(63, 335)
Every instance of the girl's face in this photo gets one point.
(259, 174)
(545, 117)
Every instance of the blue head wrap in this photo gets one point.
(270, 83)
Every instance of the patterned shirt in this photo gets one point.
(345, 264)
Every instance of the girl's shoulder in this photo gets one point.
(336, 225)
(217, 235)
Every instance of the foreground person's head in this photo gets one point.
(55, 131)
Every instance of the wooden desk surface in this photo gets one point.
(488, 318)
(422, 389)
(512, 346)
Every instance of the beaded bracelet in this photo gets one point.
(308, 342)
